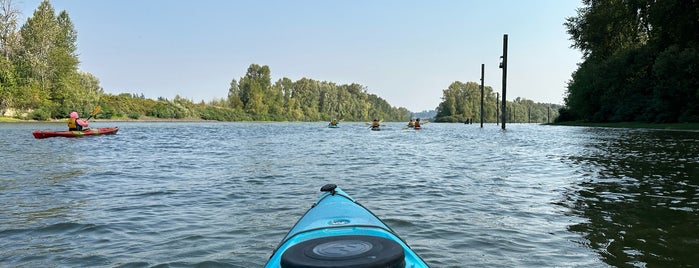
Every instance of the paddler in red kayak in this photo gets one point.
(75, 123)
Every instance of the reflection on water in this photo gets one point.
(641, 199)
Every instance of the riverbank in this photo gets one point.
(144, 119)
(11, 120)
(666, 126)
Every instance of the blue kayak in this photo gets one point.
(339, 232)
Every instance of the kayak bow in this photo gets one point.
(339, 232)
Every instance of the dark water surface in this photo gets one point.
(224, 194)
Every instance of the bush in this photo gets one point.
(565, 115)
(40, 115)
(448, 119)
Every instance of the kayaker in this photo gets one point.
(417, 123)
(334, 122)
(411, 123)
(375, 124)
(75, 123)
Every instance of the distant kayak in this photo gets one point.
(339, 232)
(375, 128)
(40, 134)
(333, 126)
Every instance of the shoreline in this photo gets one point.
(633, 125)
(15, 120)
(629, 125)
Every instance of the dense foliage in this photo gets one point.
(306, 99)
(39, 79)
(641, 62)
(461, 102)
(256, 98)
(39, 65)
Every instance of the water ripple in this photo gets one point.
(224, 194)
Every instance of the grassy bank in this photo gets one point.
(672, 126)
(116, 119)
(10, 120)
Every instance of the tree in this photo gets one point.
(461, 102)
(9, 40)
(48, 56)
(640, 61)
(234, 96)
(39, 34)
(253, 86)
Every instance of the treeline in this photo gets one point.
(305, 99)
(255, 98)
(640, 62)
(39, 75)
(461, 102)
(39, 65)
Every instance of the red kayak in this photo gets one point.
(39, 134)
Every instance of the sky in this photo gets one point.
(404, 51)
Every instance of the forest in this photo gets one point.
(461, 102)
(640, 62)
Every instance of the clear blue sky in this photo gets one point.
(404, 51)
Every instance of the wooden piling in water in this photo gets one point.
(503, 65)
(482, 90)
(497, 108)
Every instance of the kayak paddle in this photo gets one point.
(94, 112)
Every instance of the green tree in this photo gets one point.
(639, 61)
(461, 102)
(8, 84)
(234, 95)
(49, 57)
(9, 39)
(253, 87)
(39, 35)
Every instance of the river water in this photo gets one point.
(225, 194)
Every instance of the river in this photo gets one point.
(224, 194)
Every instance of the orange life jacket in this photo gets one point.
(73, 124)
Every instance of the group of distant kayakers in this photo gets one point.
(376, 125)
(414, 124)
(75, 123)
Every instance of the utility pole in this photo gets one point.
(482, 90)
(503, 65)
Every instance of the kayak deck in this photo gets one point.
(339, 232)
(41, 134)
